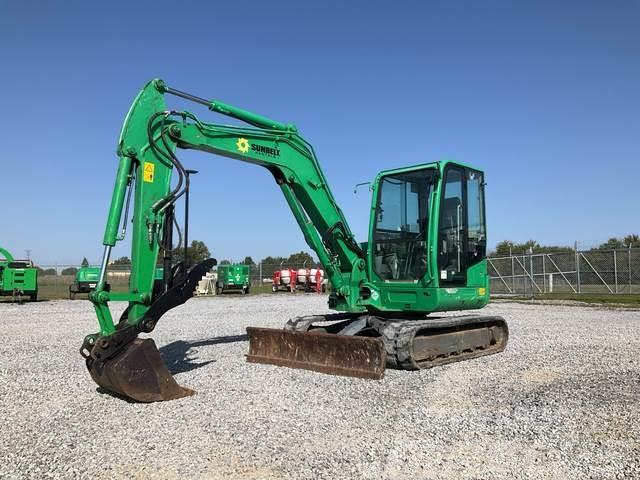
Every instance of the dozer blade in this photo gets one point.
(139, 373)
(350, 356)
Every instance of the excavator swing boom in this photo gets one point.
(425, 254)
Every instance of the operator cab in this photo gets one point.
(407, 222)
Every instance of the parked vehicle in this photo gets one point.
(18, 277)
(85, 281)
(316, 281)
(233, 278)
(284, 280)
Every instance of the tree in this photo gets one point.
(530, 246)
(612, 244)
(85, 262)
(507, 247)
(122, 261)
(271, 264)
(47, 272)
(197, 252)
(224, 262)
(69, 271)
(299, 259)
(632, 240)
(248, 261)
(273, 261)
(629, 241)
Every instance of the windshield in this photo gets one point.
(400, 232)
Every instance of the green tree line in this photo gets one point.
(507, 247)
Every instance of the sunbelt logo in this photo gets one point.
(243, 145)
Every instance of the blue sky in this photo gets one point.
(543, 96)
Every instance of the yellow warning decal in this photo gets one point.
(149, 169)
(482, 292)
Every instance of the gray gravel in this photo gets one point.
(563, 401)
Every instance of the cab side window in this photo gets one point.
(451, 251)
(462, 238)
(477, 234)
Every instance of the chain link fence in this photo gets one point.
(54, 280)
(589, 271)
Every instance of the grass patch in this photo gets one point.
(621, 299)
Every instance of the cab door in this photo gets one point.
(462, 230)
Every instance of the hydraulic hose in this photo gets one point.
(172, 196)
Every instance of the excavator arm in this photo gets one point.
(150, 137)
(291, 161)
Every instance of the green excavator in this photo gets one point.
(425, 254)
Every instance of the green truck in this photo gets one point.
(87, 279)
(233, 277)
(17, 277)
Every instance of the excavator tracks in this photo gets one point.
(413, 344)
(418, 344)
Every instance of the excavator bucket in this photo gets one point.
(139, 373)
(361, 357)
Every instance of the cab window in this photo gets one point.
(400, 232)
(462, 231)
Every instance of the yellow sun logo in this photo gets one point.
(243, 145)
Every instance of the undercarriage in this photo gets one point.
(406, 343)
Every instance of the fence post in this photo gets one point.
(532, 277)
(513, 273)
(615, 271)
(629, 268)
(524, 276)
(524, 273)
(577, 266)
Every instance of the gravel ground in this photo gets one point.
(563, 401)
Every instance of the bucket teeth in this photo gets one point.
(351, 356)
(137, 372)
